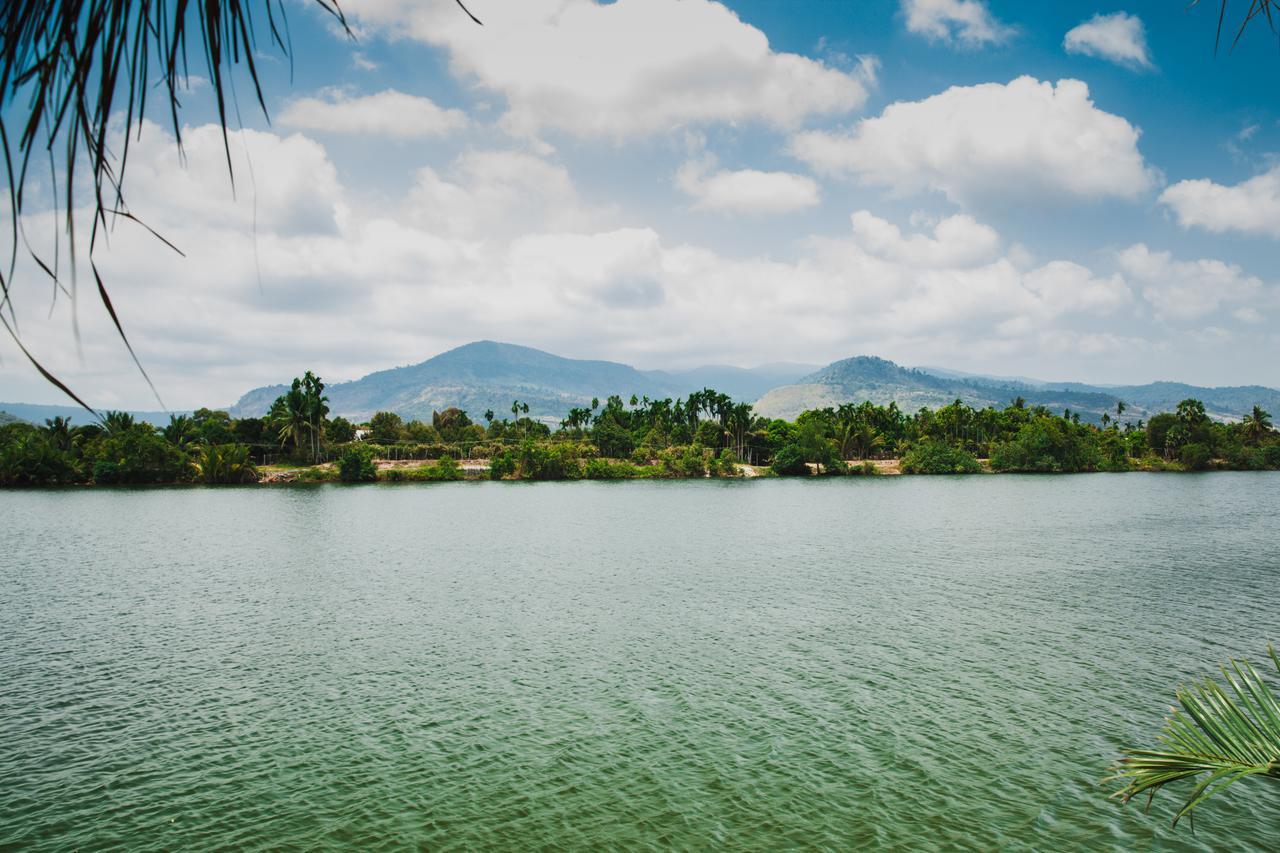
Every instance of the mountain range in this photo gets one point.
(490, 375)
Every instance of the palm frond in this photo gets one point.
(1216, 738)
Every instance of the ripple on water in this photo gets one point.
(907, 663)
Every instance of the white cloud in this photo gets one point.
(1250, 207)
(1187, 290)
(500, 193)
(957, 241)
(968, 22)
(624, 68)
(1119, 37)
(1027, 138)
(1069, 287)
(745, 190)
(387, 113)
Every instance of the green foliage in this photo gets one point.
(355, 465)
(224, 463)
(536, 461)
(938, 457)
(386, 428)
(789, 462)
(135, 455)
(503, 465)
(1215, 737)
(1046, 445)
(1196, 457)
(606, 469)
(339, 430)
(31, 457)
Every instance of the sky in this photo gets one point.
(1083, 191)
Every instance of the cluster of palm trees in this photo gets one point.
(298, 415)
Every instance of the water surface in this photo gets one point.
(906, 662)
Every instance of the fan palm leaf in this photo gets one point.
(1216, 737)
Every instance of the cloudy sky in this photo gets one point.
(1064, 190)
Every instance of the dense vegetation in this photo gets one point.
(705, 434)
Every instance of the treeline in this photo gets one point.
(705, 434)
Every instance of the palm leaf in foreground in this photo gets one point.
(1220, 736)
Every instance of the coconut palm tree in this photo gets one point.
(114, 423)
(59, 431)
(181, 432)
(1256, 425)
(1216, 738)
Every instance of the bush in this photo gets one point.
(224, 464)
(548, 461)
(688, 461)
(866, 468)
(355, 465)
(28, 458)
(502, 465)
(137, 455)
(1196, 457)
(604, 469)
(938, 457)
(789, 462)
(1046, 446)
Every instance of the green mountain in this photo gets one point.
(880, 381)
(490, 375)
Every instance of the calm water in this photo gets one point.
(910, 662)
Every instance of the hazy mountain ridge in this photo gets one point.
(490, 375)
(881, 381)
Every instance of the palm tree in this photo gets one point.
(1216, 738)
(181, 432)
(1256, 425)
(80, 73)
(114, 423)
(224, 463)
(59, 431)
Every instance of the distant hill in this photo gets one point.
(6, 418)
(880, 381)
(38, 414)
(489, 375)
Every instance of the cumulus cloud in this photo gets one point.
(1249, 207)
(1026, 138)
(957, 241)
(745, 190)
(388, 113)
(633, 67)
(1181, 291)
(476, 252)
(967, 22)
(1119, 38)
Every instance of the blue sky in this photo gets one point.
(1073, 190)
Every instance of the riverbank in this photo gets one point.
(400, 470)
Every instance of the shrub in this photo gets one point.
(548, 461)
(604, 469)
(137, 455)
(502, 465)
(938, 457)
(1196, 457)
(789, 462)
(1045, 445)
(225, 463)
(355, 465)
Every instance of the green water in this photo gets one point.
(909, 663)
